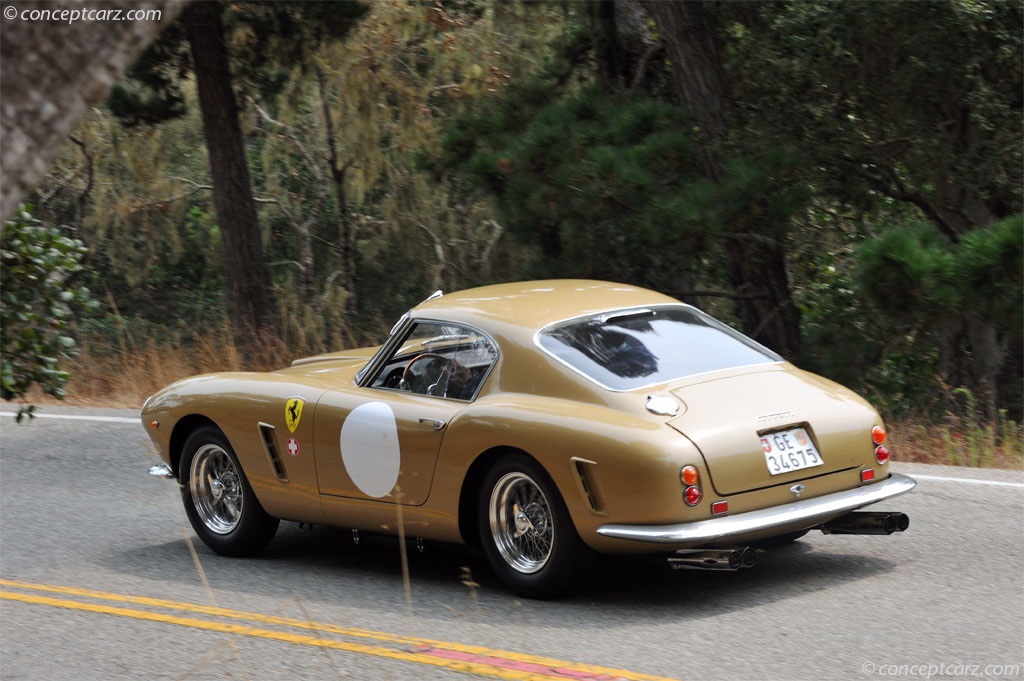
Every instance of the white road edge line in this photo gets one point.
(969, 481)
(76, 417)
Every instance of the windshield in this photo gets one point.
(633, 348)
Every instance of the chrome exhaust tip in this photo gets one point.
(713, 559)
(867, 522)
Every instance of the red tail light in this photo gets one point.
(878, 435)
(693, 495)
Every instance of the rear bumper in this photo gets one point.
(753, 525)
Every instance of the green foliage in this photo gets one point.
(37, 265)
(990, 272)
(271, 39)
(609, 187)
(925, 289)
(268, 41)
(915, 272)
(849, 340)
(151, 93)
(919, 101)
(854, 123)
(909, 271)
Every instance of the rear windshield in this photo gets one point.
(633, 348)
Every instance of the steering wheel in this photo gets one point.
(448, 368)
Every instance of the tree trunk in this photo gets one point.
(756, 256)
(339, 172)
(250, 293)
(610, 58)
(757, 270)
(52, 72)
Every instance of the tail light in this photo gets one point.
(690, 477)
(881, 451)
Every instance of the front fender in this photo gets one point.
(248, 408)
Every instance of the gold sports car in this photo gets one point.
(542, 422)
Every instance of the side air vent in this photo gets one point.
(586, 482)
(268, 432)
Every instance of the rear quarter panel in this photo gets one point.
(630, 464)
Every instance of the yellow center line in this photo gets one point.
(475, 660)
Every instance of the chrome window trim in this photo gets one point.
(722, 326)
(376, 364)
(370, 368)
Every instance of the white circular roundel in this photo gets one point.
(369, 448)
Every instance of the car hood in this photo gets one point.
(727, 417)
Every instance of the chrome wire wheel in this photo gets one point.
(521, 523)
(216, 489)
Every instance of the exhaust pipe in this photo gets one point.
(713, 559)
(867, 522)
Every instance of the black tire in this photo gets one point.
(526, 531)
(218, 500)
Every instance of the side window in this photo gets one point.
(443, 360)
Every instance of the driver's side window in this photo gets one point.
(439, 359)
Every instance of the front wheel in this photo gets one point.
(218, 500)
(527, 534)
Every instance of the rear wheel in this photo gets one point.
(527, 534)
(218, 500)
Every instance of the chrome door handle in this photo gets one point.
(437, 424)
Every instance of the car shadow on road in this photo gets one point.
(454, 581)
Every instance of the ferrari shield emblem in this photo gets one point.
(293, 412)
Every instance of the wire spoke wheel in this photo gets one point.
(216, 489)
(219, 503)
(521, 523)
(526, 531)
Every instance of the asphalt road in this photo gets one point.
(100, 578)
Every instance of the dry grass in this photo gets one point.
(959, 443)
(125, 377)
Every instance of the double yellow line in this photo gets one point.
(476, 660)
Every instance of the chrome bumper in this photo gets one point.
(798, 515)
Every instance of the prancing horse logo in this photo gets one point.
(293, 412)
(797, 490)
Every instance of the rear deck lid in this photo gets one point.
(774, 425)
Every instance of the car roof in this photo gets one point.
(532, 305)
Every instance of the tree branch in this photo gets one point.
(900, 192)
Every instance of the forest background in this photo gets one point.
(841, 181)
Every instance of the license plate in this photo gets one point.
(789, 450)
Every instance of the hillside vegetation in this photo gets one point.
(840, 181)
